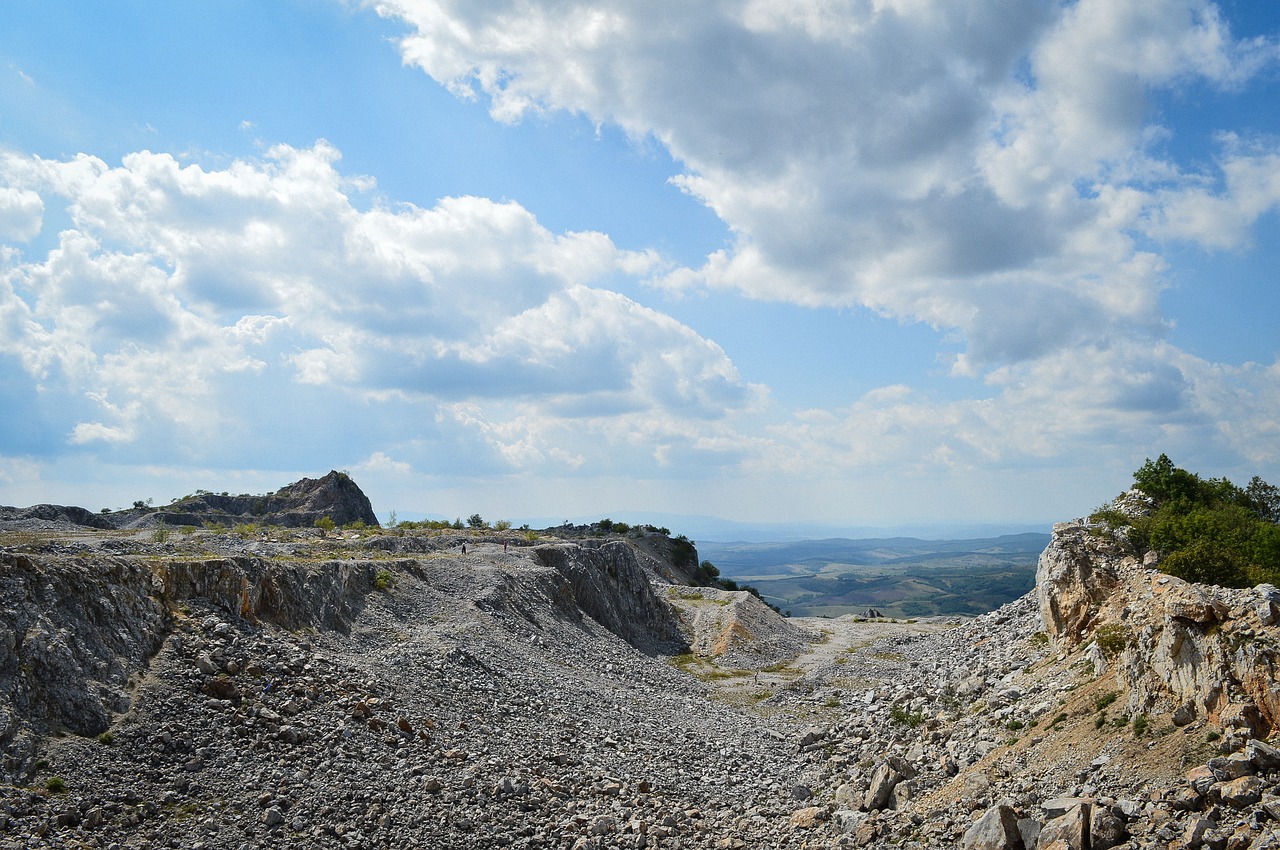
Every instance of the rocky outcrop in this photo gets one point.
(76, 634)
(297, 505)
(604, 580)
(42, 515)
(1174, 649)
(72, 640)
(735, 627)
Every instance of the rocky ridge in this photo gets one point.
(380, 690)
(297, 505)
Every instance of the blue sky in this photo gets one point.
(865, 263)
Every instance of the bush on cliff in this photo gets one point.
(1205, 530)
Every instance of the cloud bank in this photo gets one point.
(991, 167)
(187, 309)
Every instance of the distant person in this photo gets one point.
(464, 548)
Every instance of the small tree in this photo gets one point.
(325, 524)
(476, 521)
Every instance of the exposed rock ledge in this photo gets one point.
(1174, 648)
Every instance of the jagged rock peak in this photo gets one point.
(295, 505)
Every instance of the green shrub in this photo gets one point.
(1111, 638)
(683, 553)
(1140, 725)
(55, 785)
(383, 580)
(1105, 700)
(900, 714)
(1205, 530)
(106, 738)
(325, 524)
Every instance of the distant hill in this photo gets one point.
(899, 576)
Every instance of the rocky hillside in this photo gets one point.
(479, 689)
(297, 505)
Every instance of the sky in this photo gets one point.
(849, 262)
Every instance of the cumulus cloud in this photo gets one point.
(181, 291)
(984, 165)
(21, 214)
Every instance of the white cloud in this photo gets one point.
(21, 214)
(1086, 403)
(180, 291)
(980, 166)
(382, 464)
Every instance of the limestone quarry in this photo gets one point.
(167, 684)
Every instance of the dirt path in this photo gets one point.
(844, 657)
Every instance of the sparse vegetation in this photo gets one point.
(1205, 530)
(683, 553)
(383, 580)
(1105, 700)
(1111, 638)
(55, 785)
(904, 716)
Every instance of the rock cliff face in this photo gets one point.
(1174, 649)
(72, 641)
(605, 581)
(77, 634)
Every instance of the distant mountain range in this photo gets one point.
(898, 576)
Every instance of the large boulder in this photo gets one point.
(997, 829)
